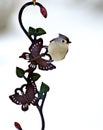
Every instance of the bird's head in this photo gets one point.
(61, 39)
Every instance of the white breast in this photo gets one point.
(57, 51)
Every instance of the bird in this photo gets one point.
(58, 47)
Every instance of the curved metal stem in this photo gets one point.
(41, 113)
(20, 17)
(32, 40)
(42, 117)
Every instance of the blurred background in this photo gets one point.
(75, 100)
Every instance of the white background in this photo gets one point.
(75, 99)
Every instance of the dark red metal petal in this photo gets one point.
(17, 125)
(43, 11)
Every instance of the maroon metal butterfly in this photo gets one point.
(35, 57)
(25, 96)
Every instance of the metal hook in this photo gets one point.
(34, 2)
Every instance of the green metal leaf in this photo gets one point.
(35, 76)
(20, 72)
(40, 31)
(36, 32)
(32, 31)
(43, 90)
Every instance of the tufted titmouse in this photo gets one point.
(58, 47)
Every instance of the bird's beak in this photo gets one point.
(69, 42)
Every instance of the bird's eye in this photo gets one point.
(63, 41)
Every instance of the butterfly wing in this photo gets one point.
(45, 64)
(30, 93)
(36, 47)
(18, 99)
